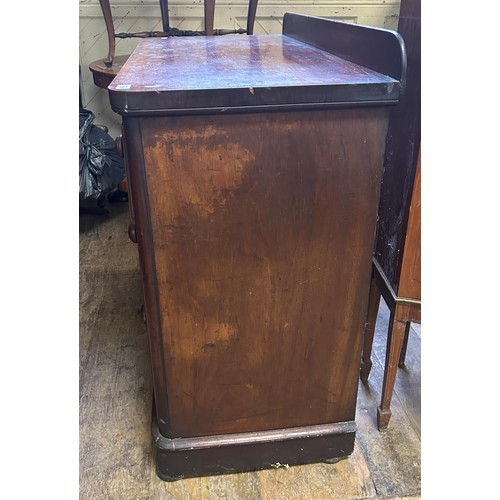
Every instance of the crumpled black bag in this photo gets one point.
(101, 168)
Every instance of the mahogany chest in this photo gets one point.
(254, 167)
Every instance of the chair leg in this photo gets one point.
(405, 345)
(371, 320)
(252, 10)
(209, 17)
(110, 29)
(395, 337)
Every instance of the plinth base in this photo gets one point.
(224, 454)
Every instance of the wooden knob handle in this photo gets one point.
(119, 145)
(131, 232)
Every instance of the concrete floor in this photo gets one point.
(116, 395)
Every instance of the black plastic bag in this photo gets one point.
(101, 168)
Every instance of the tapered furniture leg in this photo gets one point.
(371, 320)
(405, 345)
(395, 337)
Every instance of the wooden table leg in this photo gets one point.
(371, 320)
(397, 328)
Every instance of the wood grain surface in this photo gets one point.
(262, 233)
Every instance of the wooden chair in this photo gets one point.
(396, 260)
(104, 70)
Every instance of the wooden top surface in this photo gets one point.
(229, 71)
(201, 63)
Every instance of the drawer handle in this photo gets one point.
(119, 145)
(131, 232)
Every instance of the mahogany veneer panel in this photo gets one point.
(262, 267)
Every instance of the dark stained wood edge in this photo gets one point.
(375, 48)
(119, 104)
(180, 458)
(143, 233)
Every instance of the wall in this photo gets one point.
(144, 15)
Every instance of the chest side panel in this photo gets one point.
(262, 228)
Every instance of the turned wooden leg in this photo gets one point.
(371, 320)
(405, 345)
(395, 337)
(110, 29)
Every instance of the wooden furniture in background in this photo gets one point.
(404, 306)
(105, 69)
(255, 165)
(396, 261)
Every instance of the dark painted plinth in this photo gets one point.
(224, 454)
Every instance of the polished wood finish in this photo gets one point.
(255, 215)
(396, 262)
(259, 71)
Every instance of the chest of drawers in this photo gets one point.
(254, 167)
